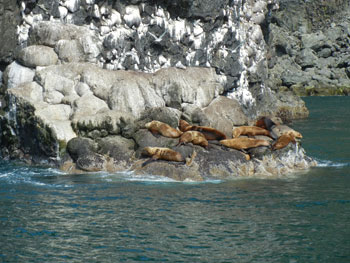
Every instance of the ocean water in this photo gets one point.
(47, 216)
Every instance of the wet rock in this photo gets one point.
(91, 162)
(173, 170)
(79, 146)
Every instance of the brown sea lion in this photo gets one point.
(244, 143)
(167, 154)
(184, 126)
(246, 156)
(208, 132)
(279, 130)
(162, 128)
(250, 131)
(161, 153)
(283, 141)
(194, 137)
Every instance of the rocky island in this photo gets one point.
(81, 78)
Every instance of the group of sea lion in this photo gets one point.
(200, 135)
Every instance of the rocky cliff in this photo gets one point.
(83, 70)
(308, 47)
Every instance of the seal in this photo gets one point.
(250, 131)
(158, 127)
(194, 137)
(283, 141)
(244, 143)
(167, 154)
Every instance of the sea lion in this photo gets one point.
(250, 131)
(283, 141)
(246, 156)
(265, 123)
(279, 130)
(184, 126)
(194, 137)
(244, 143)
(208, 132)
(161, 153)
(167, 154)
(162, 128)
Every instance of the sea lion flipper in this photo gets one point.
(155, 157)
(147, 162)
(190, 160)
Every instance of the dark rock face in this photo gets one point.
(308, 45)
(9, 19)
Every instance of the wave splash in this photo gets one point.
(329, 163)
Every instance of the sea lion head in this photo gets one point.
(183, 125)
(149, 151)
(295, 134)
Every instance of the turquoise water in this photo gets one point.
(46, 216)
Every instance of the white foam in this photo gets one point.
(4, 175)
(328, 163)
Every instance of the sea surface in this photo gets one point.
(47, 216)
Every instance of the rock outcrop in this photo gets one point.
(88, 75)
(308, 44)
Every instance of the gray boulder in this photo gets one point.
(70, 51)
(105, 122)
(79, 146)
(224, 113)
(144, 138)
(306, 58)
(37, 55)
(16, 74)
(197, 86)
(133, 95)
(91, 162)
(87, 105)
(117, 147)
(50, 33)
(167, 115)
